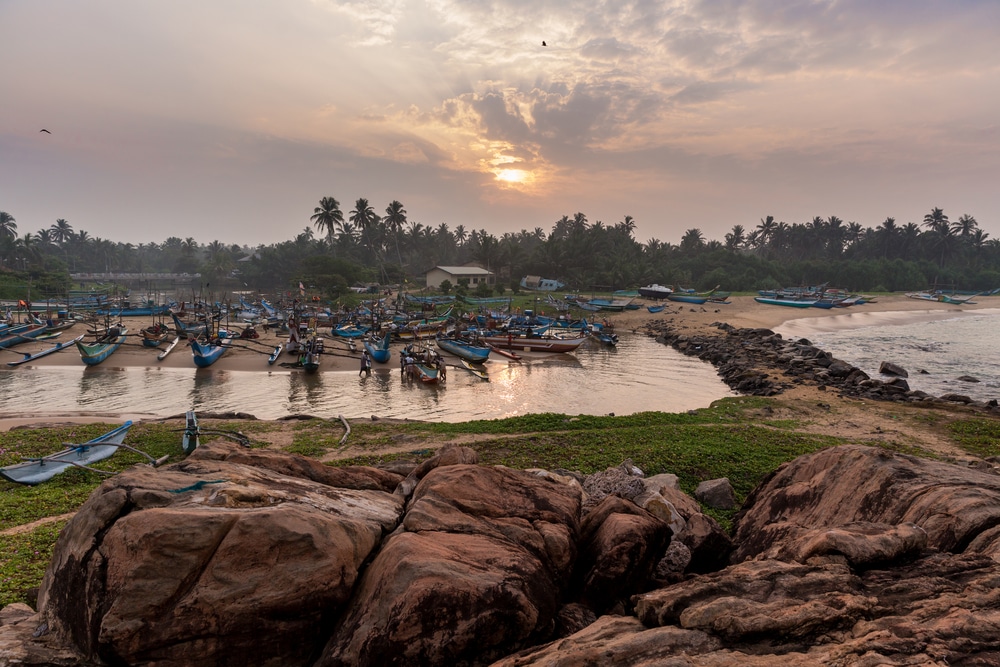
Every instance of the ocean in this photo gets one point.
(935, 347)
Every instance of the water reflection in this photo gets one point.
(640, 375)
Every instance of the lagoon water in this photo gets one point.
(639, 375)
(945, 344)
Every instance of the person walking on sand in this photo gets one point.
(366, 363)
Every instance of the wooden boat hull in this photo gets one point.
(94, 354)
(21, 334)
(43, 353)
(474, 353)
(162, 355)
(783, 302)
(655, 309)
(541, 344)
(379, 351)
(45, 468)
(206, 354)
(687, 298)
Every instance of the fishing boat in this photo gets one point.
(154, 335)
(38, 470)
(533, 343)
(103, 347)
(168, 349)
(190, 440)
(424, 373)
(654, 291)
(655, 309)
(379, 348)
(350, 331)
(502, 352)
(310, 354)
(606, 338)
(476, 369)
(206, 353)
(464, 349)
(275, 354)
(21, 333)
(51, 350)
(686, 297)
(792, 303)
(188, 329)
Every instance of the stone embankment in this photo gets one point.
(760, 362)
(849, 556)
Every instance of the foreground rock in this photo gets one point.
(848, 556)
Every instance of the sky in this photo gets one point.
(230, 119)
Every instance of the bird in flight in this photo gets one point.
(45, 131)
(543, 43)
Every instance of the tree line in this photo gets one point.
(338, 249)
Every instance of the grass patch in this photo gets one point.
(980, 437)
(23, 559)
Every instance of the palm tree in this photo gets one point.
(935, 220)
(736, 238)
(693, 240)
(461, 235)
(965, 226)
(327, 216)
(628, 225)
(366, 219)
(7, 225)
(395, 218)
(62, 231)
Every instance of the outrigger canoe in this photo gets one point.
(39, 355)
(163, 355)
(104, 347)
(36, 471)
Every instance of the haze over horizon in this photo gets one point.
(230, 120)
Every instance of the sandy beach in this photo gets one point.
(743, 311)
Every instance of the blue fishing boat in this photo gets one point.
(188, 329)
(655, 309)
(792, 303)
(208, 352)
(21, 333)
(43, 353)
(102, 348)
(379, 348)
(477, 354)
(685, 297)
(38, 470)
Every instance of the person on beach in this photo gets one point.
(366, 363)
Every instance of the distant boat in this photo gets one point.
(774, 301)
(102, 348)
(687, 298)
(541, 284)
(537, 343)
(464, 350)
(379, 348)
(655, 291)
(655, 309)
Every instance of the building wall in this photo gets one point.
(436, 276)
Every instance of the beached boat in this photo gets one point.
(154, 335)
(21, 333)
(605, 338)
(102, 348)
(476, 353)
(686, 297)
(190, 440)
(188, 329)
(655, 291)
(310, 354)
(206, 353)
(379, 348)
(425, 374)
(275, 354)
(538, 343)
(168, 349)
(655, 309)
(43, 353)
(38, 470)
(792, 303)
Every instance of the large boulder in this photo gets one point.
(477, 569)
(845, 485)
(211, 562)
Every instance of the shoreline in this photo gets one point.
(743, 312)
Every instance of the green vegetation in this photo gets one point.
(364, 246)
(23, 559)
(980, 437)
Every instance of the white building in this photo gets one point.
(475, 274)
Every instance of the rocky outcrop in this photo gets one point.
(760, 362)
(848, 556)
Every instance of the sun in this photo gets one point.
(513, 176)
